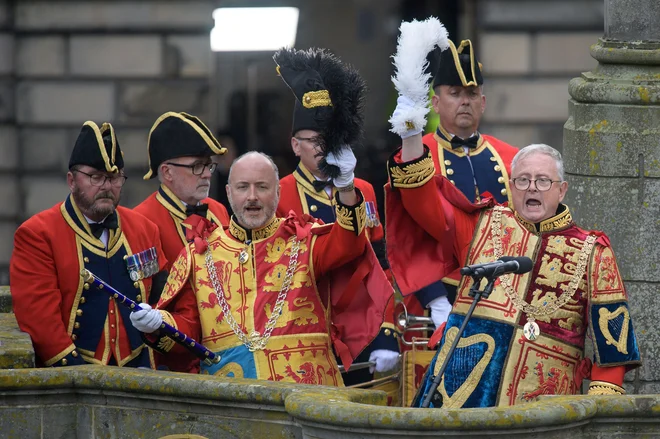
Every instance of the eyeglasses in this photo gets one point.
(197, 168)
(100, 179)
(313, 140)
(542, 184)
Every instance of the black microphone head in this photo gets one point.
(525, 264)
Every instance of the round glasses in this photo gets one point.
(542, 184)
(99, 179)
(197, 168)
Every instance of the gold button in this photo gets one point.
(497, 168)
(313, 208)
(138, 297)
(112, 311)
(136, 285)
(79, 312)
(452, 182)
(493, 159)
(387, 332)
(76, 325)
(74, 354)
(450, 172)
(86, 286)
(500, 180)
(112, 326)
(86, 260)
(74, 336)
(447, 162)
(113, 340)
(395, 335)
(503, 191)
(126, 256)
(83, 300)
(308, 99)
(64, 362)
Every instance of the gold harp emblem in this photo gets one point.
(605, 317)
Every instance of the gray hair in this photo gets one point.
(250, 154)
(540, 148)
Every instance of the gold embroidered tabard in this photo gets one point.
(547, 365)
(299, 348)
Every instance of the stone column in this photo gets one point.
(612, 156)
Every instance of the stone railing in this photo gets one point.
(93, 401)
(16, 350)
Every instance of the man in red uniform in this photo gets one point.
(528, 337)
(310, 190)
(181, 150)
(69, 322)
(257, 292)
(473, 162)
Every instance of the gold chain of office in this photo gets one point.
(255, 341)
(552, 306)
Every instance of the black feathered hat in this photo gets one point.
(98, 148)
(458, 66)
(178, 135)
(329, 98)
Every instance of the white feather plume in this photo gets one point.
(416, 40)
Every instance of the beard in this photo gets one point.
(89, 205)
(249, 221)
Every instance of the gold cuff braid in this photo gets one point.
(412, 174)
(351, 218)
(605, 388)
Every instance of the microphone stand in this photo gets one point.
(432, 395)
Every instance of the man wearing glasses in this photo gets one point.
(181, 150)
(527, 338)
(69, 322)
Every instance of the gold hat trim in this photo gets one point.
(318, 98)
(108, 161)
(217, 149)
(455, 52)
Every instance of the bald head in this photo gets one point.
(253, 189)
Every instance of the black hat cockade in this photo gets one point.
(179, 135)
(98, 148)
(329, 98)
(458, 66)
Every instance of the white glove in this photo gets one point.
(385, 360)
(440, 309)
(406, 106)
(146, 320)
(345, 160)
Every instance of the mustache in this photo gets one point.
(252, 204)
(105, 194)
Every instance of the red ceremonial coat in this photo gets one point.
(69, 321)
(168, 212)
(165, 210)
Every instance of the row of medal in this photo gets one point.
(372, 215)
(142, 265)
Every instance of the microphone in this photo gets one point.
(505, 264)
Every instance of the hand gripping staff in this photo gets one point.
(194, 347)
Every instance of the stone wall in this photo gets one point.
(530, 50)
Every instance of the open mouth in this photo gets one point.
(533, 203)
(253, 210)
